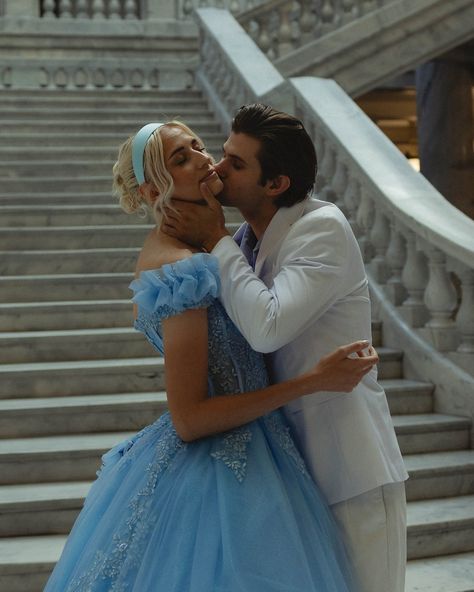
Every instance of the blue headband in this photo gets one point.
(138, 149)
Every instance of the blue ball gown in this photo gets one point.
(236, 512)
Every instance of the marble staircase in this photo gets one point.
(74, 376)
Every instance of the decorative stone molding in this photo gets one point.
(106, 74)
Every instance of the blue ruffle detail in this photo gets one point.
(189, 283)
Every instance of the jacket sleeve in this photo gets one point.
(312, 263)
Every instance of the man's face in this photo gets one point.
(240, 172)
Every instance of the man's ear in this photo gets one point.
(278, 185)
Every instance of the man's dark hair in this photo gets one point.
(286, 149)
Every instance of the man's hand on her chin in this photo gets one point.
(201, 225)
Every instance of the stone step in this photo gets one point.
(23, 418)
(73, 261)
(94, 184)
(111, 114)
(31, 217)
(40, 508)
(68, 139)
(107, 153)
(126, 126)
(440, 527)
(78, 237)
(50, 288)
(83, 377)
(101, 94)
(57, 198)
(53, 379)
(26, 562)
(432, 432)
(74, 344)
(440, 474)
(105, 100)
(408, 396)
(452, 573)
(49, 458)
(45, 171)
(74, 237)
(63, 315)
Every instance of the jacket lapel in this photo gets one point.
(277, 231)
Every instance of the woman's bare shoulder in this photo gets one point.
(155, 254)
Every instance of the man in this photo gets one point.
(296, 289)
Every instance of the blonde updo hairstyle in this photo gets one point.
(125, 184)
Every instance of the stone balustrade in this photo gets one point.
(279, 26)
(180, 10)
(415, 243)
(418, 248)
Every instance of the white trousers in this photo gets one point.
(374, 529)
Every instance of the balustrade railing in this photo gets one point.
(417, 247)
(279, 26)
(187, 7)
(92, 9)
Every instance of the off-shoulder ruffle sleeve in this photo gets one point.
(189, 283)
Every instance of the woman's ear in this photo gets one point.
(278, 185)
(149, 193)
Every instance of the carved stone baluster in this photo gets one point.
(465, 316)
(130, 10)
(328, 169)
(98, 11)
(414, 280)
(234, 6)
(65, 9)
(351, 203)
(48, 9)
(187, 8)
(380, 237)
(264, 38)
(364, 219)
(321, 147)
(81, 9)
(308, 20)
(441, 300)
(284, 34)
(339, 185)
(114, 9)
(396, 256)
(327, 15)
(368, 6)
(348, 10)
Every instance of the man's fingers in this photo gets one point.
(208, 195)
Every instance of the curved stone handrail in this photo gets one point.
(418, 248)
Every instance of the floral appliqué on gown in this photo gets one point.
(236, 512)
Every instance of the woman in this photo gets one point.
(212, 497)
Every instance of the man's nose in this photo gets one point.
(220, 168)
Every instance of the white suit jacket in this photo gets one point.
(307, 296)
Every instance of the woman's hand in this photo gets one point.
(343, 369)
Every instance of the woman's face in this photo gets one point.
(188, 163)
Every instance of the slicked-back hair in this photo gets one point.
(285, 149)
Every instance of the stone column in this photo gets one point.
(22, 8)
(445, 126)
(160, 9)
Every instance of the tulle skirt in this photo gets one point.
(236, 512)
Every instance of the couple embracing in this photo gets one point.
(276, 468)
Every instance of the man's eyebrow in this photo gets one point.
(233, 155)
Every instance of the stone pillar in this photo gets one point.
(22, 8)
(445, 126)
(160, 9)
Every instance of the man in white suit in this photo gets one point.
(293, 282)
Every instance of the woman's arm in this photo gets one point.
(196, 415)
